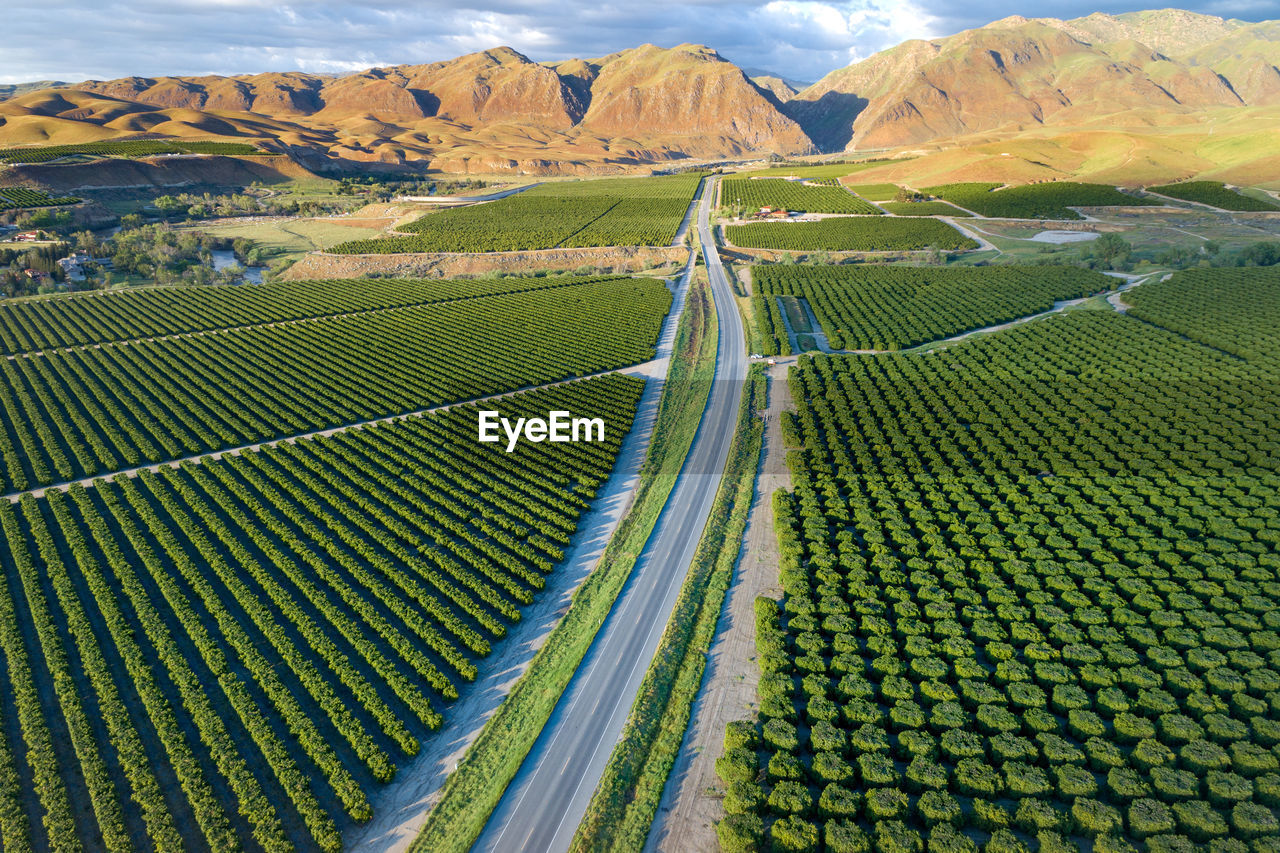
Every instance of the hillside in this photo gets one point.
(491, 111)
(1021, 74)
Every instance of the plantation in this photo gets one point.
(127, 148)
(792, 195)
(1034, 201)
(850, 234)
(1215, 194)
(616, 212)
(891, 307)
(923, 208)
(1031, 590)
(153, 311)
(1234, 310)
(17, 198)
(235, 654)
(78, 412)
(877, 192)
(819, 171)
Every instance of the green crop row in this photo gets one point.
(17, 198)
(1031, 601)
(1215, 194)
(1034, 201)
(616, 212)
(127, 148)
(755, 193)
(78, 412)
(923, 208)
(280, 628)
(850, 234)
(146, 312)
(893, 307)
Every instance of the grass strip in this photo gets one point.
(473, 790)
(622, 809)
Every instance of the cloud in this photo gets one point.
(81, 39)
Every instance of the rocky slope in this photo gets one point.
(490, 111)
(1019, 73)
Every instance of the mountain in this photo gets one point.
(491, 111)
(1019, 74)
(11, 90)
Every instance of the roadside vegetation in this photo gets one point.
(473, 789)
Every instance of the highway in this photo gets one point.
(544, 803)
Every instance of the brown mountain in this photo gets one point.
(1020, 74)
(490, 111)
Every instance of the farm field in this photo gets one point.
(237, 653)
(1215, 194)
(1034, 201)
(73, 413)
(126, 148)
(850, 234)
(290, 239)
(819, 171)
(792, 195)
(612, 212)
(1030, 592)
(17, 198)
(923, 208)
(876, 192)
(39, 324)
(892, 307)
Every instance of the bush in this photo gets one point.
(1053, 842)
(990, 816)
(1074, 781)
(781, 735)
(1171, 784)
(1170, 844)
(743, 798)
(741, 833)
(1004, 841)
(830, 767)
(937, 807)
(836, 801)
(1093, 818)
(790, 797)
(1112, 844)
(824, 737)
(844, 836)
(976, 778)
(737, 765)
(1249, 759)
(1151, 753)
(1149, 817)
(1267, 789)
(793, 834)
(1022, 780)
(1251, 820)
(1225, 789)
(894, 836)
(1035, 816)
(946, 839)
(1201, 756)
(885, 804)
(741, 734)
(1199, 820)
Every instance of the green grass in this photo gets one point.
(290, 240)
(625, 802)
(876, 192)
(475, 787)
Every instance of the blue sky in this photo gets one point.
(81, 39)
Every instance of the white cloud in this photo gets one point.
(78, 39)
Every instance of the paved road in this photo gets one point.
(542, 807)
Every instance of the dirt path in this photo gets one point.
(690, 803)
(973, 233)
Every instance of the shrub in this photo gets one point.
(1251, 820)
(743, 798)
(1075, 781)
(1022, 780)
(1170, 844)
(990, 816)
(1149, 817)
(1093, 818)
(976, 778)
(844, 836)
(1171, 784)
(1053, 842)
(1151, 753)
(737, 765)
(1224, 789)
(1103, 754)
(790, 797)
(946, 839)
(894, 836)
(925, 774)
(741, 734)
(1125, 784)
(1085, 724)
(784, 765)
(781, 735)
(1267, 789)
(916, 744)
(1131, 728)
(1201, 756)
(1199, 820)
(1035, 816)
(1249, 759)
(837, 801)
(793, 834)
(824, 737)
(877, 769)
(1007, 747)
(957, 744)
(881, 804)
(741, 833)
(1004, 841)
(937, 807)
(1112, 844)
(830, 767)
(1177, 729)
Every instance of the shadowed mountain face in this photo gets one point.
(489, 111)
(1019, 74)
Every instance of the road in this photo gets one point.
(543, 805)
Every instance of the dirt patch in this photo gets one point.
(690, 803)
(319, 265)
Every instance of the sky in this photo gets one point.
(74, 40)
